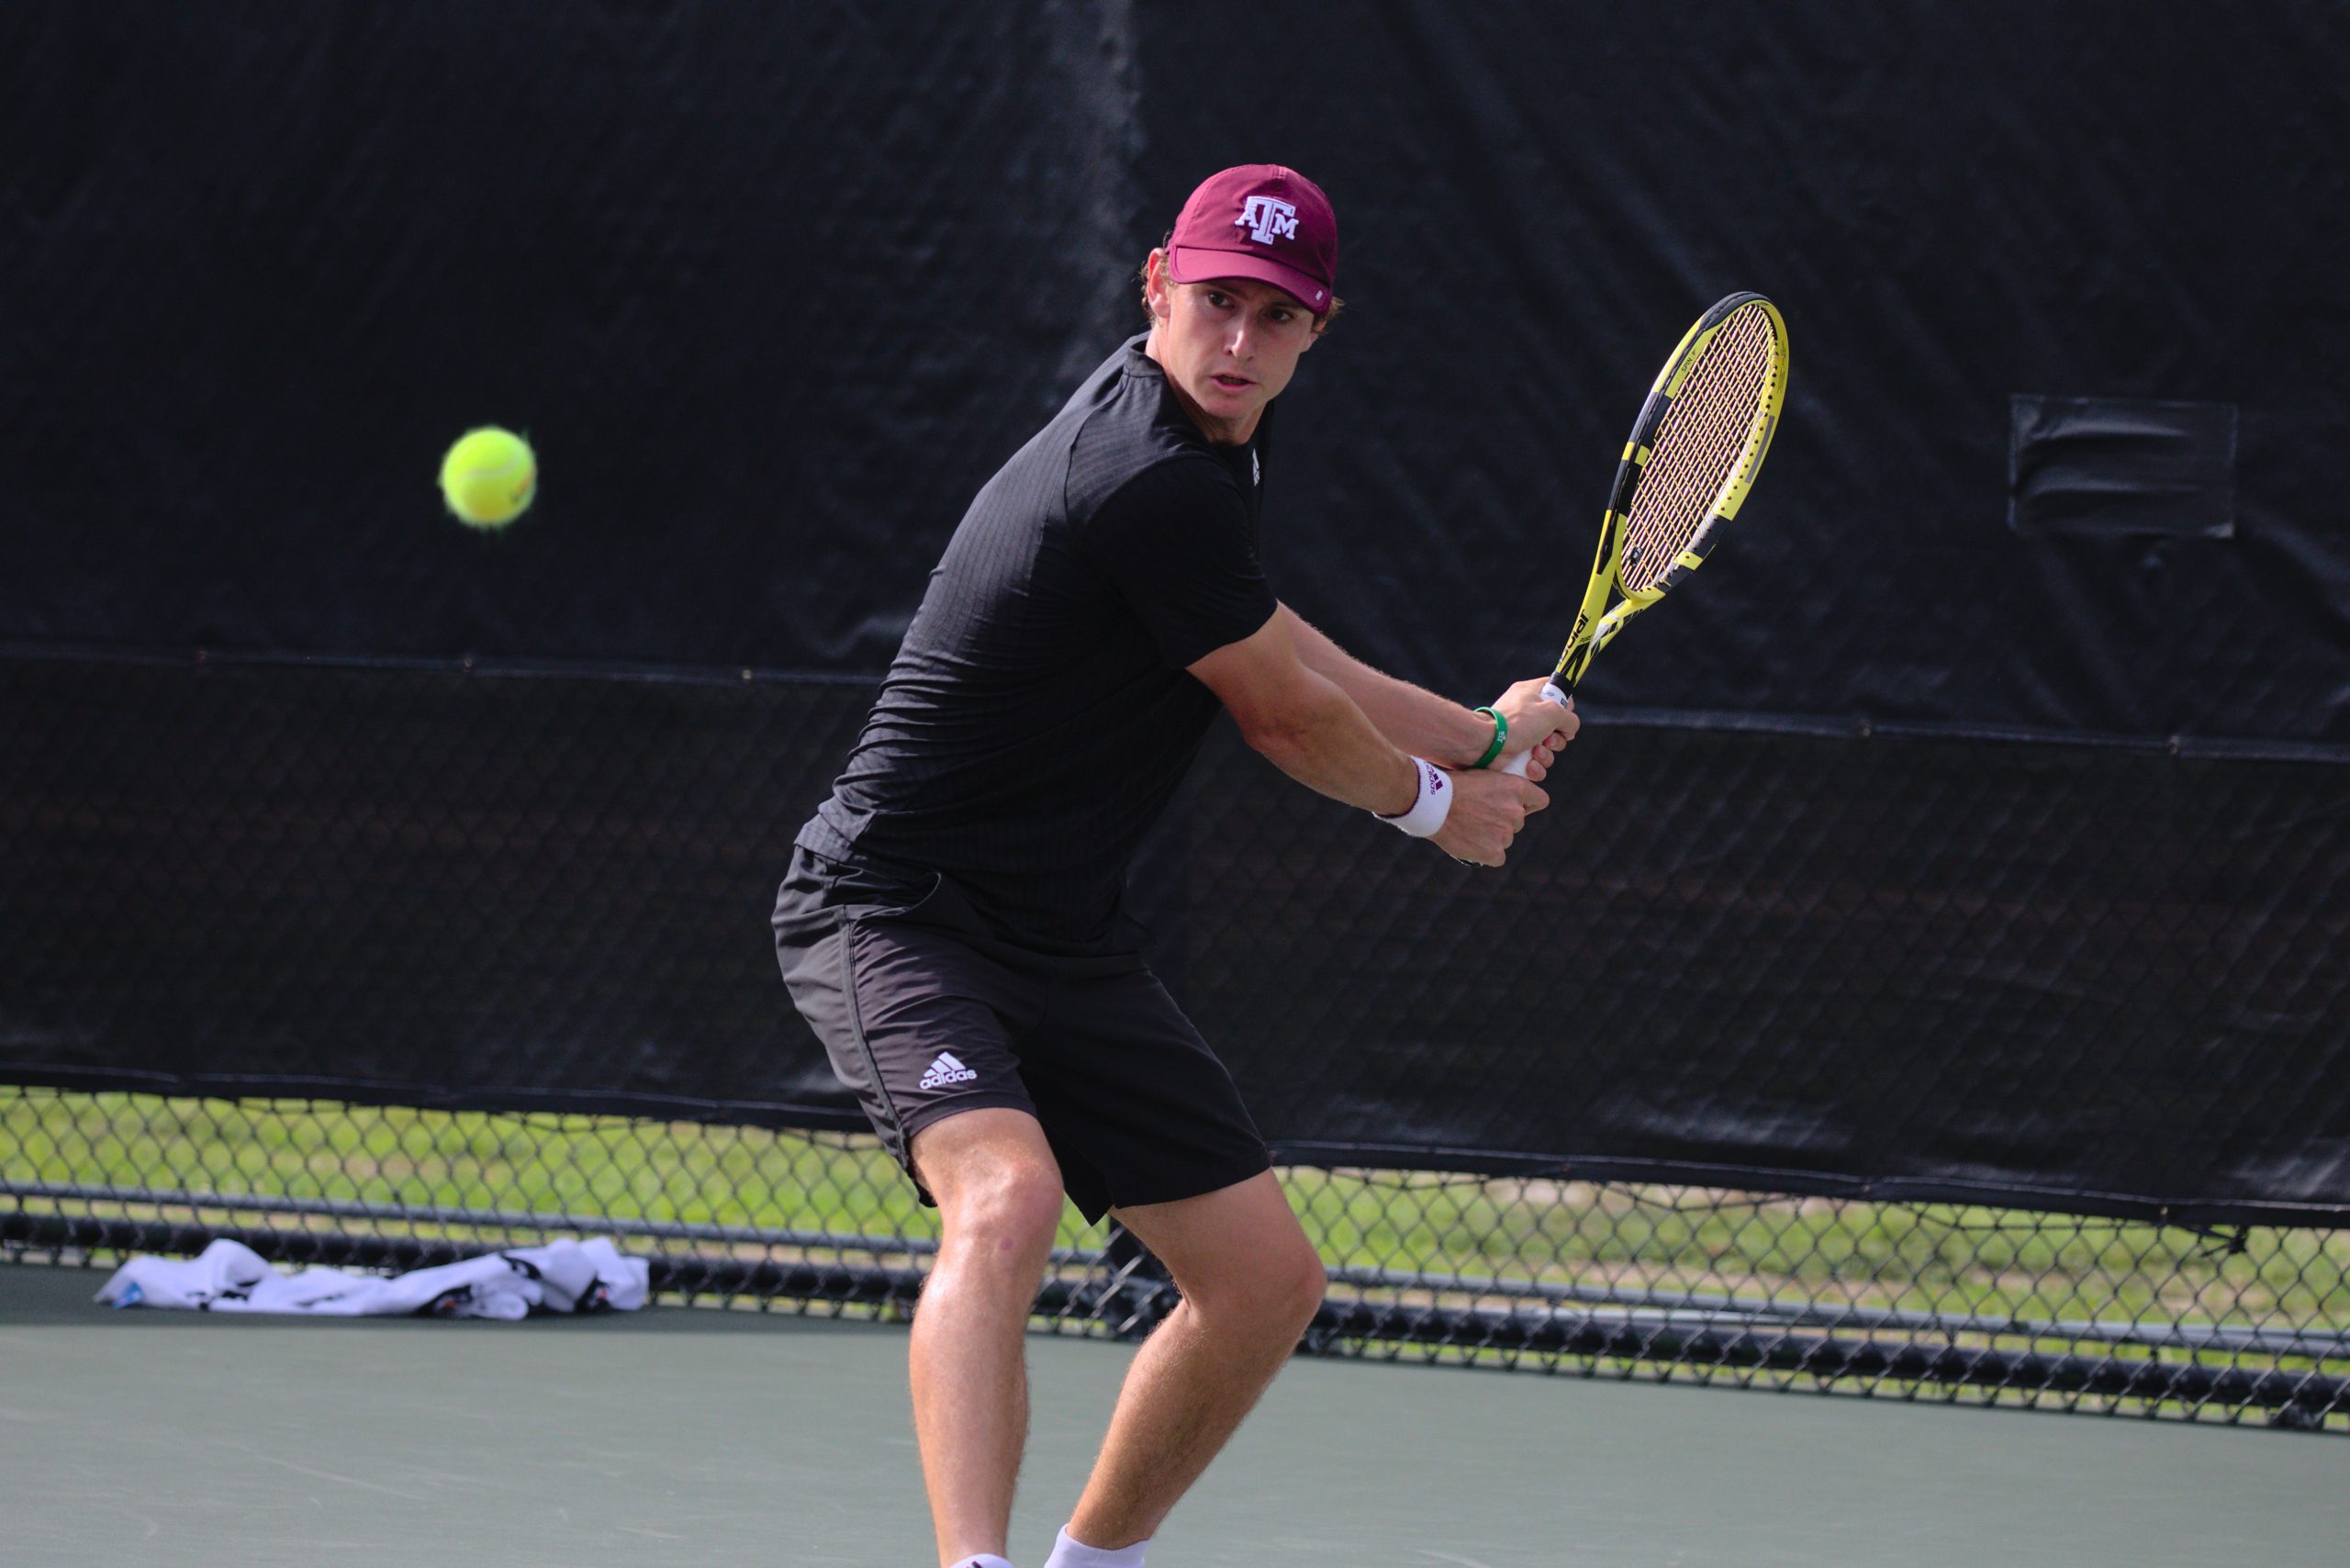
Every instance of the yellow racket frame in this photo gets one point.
(1597, 625)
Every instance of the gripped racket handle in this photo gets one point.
(1516, 761)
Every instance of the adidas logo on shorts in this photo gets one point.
(946, 1070)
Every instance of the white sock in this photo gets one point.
(984, 1560)
(1070, 1552)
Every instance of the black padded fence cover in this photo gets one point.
(1908, 850)
(776, 289)
(771, 289)
(2100, 979)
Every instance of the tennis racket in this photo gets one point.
(1695, 449)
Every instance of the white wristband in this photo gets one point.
(1433, 804)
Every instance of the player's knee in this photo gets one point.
(1300, 1286)
(1278, 1289)
(1008, 1206)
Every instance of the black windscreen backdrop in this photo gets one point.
(1976, 823)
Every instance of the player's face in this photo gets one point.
(1228, 346)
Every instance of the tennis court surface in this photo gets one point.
(715, 1438)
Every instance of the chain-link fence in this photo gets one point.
(1603, 1280)
(1796, 1001)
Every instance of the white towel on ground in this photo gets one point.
(563, 1276)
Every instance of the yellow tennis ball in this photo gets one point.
(489, 477)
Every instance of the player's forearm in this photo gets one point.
(1413, 719)
(1327, 743)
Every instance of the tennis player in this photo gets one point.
(950, 924)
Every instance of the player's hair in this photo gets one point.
(1321, 323)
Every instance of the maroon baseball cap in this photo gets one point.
(1261, 221)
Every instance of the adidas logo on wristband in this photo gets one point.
(1433, 804)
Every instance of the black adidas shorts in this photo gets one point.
(925, 1014)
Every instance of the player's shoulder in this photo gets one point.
(1133, 438)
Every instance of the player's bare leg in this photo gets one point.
(1251, 1284)
(998, 1194)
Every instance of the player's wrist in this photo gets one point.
(1500, 737)
(1430, 805)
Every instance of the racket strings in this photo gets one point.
(1703, 438)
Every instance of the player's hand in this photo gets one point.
(1537, 725)
(1488, 809)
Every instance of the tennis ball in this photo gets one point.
(489, 477)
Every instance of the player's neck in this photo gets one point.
(1220, 432)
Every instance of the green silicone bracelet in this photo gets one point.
(1501, 738)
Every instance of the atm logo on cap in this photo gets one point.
(1268, 219)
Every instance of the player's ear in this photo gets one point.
(1158, 291)
(1321, 322)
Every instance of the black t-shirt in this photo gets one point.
(1039, 715)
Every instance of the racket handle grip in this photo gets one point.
(1515, 762)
